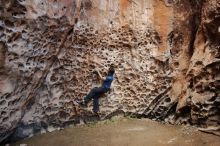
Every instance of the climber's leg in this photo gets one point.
(96, 104)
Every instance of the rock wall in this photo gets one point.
(166, 55)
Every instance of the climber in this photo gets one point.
(97, 92)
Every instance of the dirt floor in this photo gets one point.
(124, 132)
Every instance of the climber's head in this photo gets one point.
(111, 69)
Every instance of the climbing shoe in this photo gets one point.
(82, 104)
(96, 113)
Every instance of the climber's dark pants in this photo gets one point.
(95, 94)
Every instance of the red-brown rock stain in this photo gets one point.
(123, 7)
(162, 15)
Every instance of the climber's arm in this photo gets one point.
(100, 76)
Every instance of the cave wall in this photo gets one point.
(166, 55)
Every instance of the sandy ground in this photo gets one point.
(124, 132)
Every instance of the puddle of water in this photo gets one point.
(124, 132)
(172, 140)
(137, 129)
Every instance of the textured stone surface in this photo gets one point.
(166, 53)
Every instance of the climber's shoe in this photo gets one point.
(82, 104)
(96, 113)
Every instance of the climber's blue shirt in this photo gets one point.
(108, 81)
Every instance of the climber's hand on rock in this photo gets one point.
(97, 72)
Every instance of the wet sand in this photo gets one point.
(124, 132)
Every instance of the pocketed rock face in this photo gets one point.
(203, 72)
(166, 55)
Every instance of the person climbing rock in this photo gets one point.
(97, 92)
